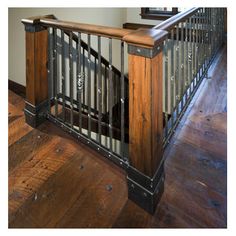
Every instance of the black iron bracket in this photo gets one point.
(35, 115)
(145, 191)
(32, 28)
(144, 52)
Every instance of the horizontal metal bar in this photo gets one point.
(106, 153)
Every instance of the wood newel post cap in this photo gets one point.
(32, 24)
(145, 42)
(148, 38)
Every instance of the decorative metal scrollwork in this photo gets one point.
(81, 79)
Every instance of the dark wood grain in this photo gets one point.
(36, 66)
(136, 26)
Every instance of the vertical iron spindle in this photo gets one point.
(110, 93)
(89, 86)
(71, 81)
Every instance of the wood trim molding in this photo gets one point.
(17, 88)
(135, 26)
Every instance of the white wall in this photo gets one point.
(101, 16)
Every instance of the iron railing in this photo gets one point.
(187, 54)
(88, 96)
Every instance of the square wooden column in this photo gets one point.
(146, 171)
(36, 43)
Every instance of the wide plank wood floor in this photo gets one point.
(55, 181)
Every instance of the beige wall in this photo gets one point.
(133, 16)
(114, 17)
(102, 16)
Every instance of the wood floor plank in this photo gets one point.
(26, 147)
(16, 100)
(17, 129)
(108, 197)
(59, 193)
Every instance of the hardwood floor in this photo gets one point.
(55, 181)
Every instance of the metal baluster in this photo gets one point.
(122, 117)
(99, 92)
(63, 74)
(110, 93)
(202, 35)
(95, 86)
(166, 98)
(218, 28)
(172, 78)
(194, 50)
(50, 69)
(177, 79)
(190, 56)
(221, 24)
(55, 70)
(197, 48)
(201, 62)
(186, 59)
(204, 40)
(89, 86)
(71, 81)
(208, 35)
(205, 36)
(84, 76)
(182, 65)
(80, 81)
(212, 32)
(105, 91)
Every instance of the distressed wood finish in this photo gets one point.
(145, 113)
(36, 66)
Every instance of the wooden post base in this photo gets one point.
(35, 115)
(144, 191)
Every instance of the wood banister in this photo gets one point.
(105, 31)
(36, 19)
(172, 21)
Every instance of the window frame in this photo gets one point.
(146, 13)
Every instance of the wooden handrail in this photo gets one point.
(36, 19)
(172, 21)
(105, 31)
(41, 20)
(145, 37)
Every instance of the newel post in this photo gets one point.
(146, 172)
(36, 43)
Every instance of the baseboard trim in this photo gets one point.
(17, 88)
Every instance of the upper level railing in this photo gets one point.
(127, 112)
